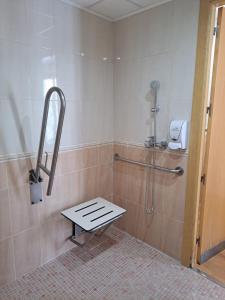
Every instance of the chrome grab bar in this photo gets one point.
(177, 171)
(51, 172)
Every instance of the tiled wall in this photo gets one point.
(31, 235)
(158, 44)
(163, 229)
(45, 43)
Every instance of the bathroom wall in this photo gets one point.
(45, 43)
(48, 42)
(158, 44)
(31, 235)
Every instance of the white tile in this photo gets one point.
(72, 133)
(13, 20)
(15, 124)
(182, 78)
(68, 34)
(96, 36)
(185, 24)
(145, 34)
(41, 29)
(157, 26)
(14, 72)
(114, 8)
(42, 65)
(69, 74)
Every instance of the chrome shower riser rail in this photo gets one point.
(177, 171)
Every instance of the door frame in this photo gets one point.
(197, 130)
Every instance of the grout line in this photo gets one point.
(93, 4)
(6, 158)
(138, 11)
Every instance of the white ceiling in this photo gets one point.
(115, 10)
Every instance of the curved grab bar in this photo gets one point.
(177, 171)
(51, 172)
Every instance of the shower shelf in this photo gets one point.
(91, 216)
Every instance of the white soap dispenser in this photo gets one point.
(178, 135)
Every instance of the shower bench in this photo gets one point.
(92, 218)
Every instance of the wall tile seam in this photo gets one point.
(26, 185)
(63, 150)
(14, 235)
(140, 58)
(168, 218)
(82, 169)
(74, 52)
(128, 145)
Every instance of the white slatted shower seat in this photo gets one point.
(91, 216)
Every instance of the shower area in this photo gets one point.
(125, 79)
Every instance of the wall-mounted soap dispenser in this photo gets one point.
(178, 135)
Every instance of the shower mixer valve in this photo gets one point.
(150, 142)
(155, 109)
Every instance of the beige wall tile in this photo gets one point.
(90, 157)
(131, 218)
(168, 197)
(136, 184)
(170, 189)
(27, 247)
(70, 189)
(5, 221)
(78, 159)
(70, 161)
(7, 273)
(89, 183)
(18, 172)
(105, 180)
(55, 235)
(51, 204)
(106, 154)
(120, 149)
(122, 203)
(3, 176)
(137, 153)
(172, 237)
(120, 179)
(24, 215)
(150, 228)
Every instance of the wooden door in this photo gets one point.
(212, 210)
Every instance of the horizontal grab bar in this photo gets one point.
(177, 171)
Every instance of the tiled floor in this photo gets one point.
(119, 267)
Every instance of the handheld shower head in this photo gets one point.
(155, 85)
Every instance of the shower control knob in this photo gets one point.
(155, 109)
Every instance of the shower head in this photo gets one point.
(155, 85)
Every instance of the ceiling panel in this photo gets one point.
(145, 3)
(84, 3)
(114, 8)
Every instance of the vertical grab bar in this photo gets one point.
(51, 172)
(35, 180)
